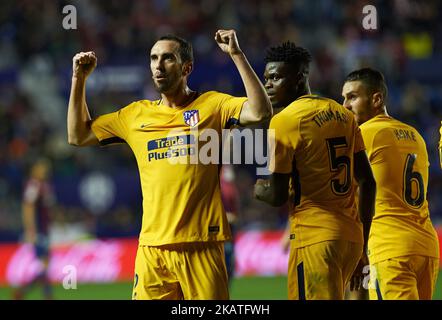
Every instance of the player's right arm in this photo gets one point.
(79, 119)
(274, 190)
(283, 135)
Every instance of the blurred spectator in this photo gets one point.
(38, 201)
(230, 199)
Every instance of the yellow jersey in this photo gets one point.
(401, 225)
(181, 196)
(315, 142)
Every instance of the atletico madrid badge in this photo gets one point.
(191, 117)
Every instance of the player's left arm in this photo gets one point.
(258, 107)
(367, 191)
(367, 197)
(274, 191)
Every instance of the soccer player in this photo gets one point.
(318, 152)
(38, 199)
(403, 245)
(184, 225)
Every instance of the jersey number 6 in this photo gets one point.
(409, 178)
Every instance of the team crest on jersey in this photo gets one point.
(191, 117)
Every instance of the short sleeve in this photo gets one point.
(230, 109)
(283, 140)
(112, 127)
(375, 141)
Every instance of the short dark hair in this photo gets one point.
(289, 53)
(373, 79)
(185, 50)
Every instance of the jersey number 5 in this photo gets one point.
(409, 178)
(337, 164)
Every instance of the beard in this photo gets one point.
(162, 87)
(166, 85)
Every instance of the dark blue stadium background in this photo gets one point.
(35, 69)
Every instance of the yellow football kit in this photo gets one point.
(315, 142)
(181, 271)
(181, 196)
(403, 246)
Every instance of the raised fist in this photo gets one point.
(227, 41)
(84, 63)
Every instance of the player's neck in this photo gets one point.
(382, 112)
(178, 99)
(304, 91)
(307, 88)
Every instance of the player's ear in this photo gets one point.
(378, 100)
(302, 75)
(187, 68)
(300, 81)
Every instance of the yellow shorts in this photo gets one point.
(321, 271)
(404, 278)
(191, 271)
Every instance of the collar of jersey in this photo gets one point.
(308, 96)
(159, 103)
(380, 116)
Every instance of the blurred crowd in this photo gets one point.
(35, 69)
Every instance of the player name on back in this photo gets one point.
(324, 116)
(401, 134)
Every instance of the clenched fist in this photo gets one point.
(227, 41)
(260, 188)
(83, 64)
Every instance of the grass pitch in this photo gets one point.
(245, 288)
